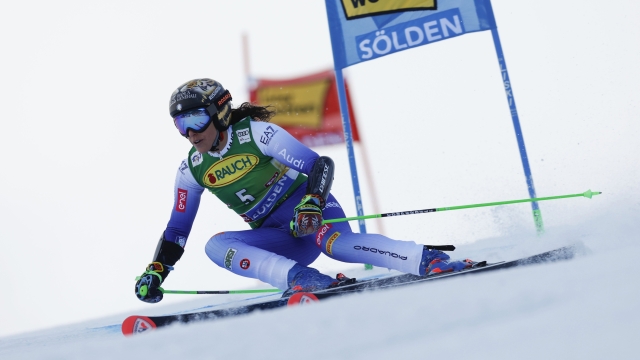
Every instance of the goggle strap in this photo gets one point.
(222, 99)
(212, 109)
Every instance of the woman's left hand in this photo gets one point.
(307, 216)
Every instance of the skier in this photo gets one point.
(280, 187)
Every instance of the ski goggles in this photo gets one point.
(196, 120)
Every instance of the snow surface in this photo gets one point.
(584, 308)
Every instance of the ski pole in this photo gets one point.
(219, 291)
(223, 292)
(587, 194)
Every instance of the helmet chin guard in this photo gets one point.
(203, 93)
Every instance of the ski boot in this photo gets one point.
(436, 261)
(305, 279)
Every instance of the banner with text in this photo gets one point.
(363, 30)
(307, 107)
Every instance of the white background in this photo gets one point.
(88, 151)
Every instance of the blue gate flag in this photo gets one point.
(363, 30)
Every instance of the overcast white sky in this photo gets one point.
(89, 153)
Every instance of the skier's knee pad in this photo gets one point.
(218, 246)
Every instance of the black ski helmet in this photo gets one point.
(203, 93)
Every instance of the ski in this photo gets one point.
(138, 324)
(563, 253)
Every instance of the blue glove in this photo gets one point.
(148, 284)
(307, 216)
